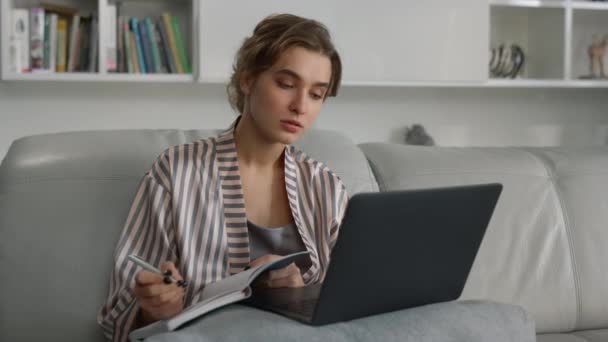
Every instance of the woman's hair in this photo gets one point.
(271, 37)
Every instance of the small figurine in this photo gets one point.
(417, 135)
(596, 52)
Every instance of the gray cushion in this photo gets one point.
(63, 200)
(456, 321)
(578, 336)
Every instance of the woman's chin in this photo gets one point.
(287, 138)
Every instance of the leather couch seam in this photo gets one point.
(62, 179)
(374, 171)
(552, 178)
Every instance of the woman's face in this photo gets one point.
(284, 100)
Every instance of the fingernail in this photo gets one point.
(167, 273)
(167, 280)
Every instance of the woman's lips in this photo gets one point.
(290, 126)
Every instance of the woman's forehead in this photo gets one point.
(307, 65)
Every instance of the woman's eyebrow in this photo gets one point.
(295, 75)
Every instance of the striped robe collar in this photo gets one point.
(235, 216)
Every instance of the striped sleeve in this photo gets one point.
(148, 233)
(340, 209)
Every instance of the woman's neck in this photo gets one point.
(253, 149)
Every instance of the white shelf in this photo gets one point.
(521, 83)
(94, 77)
(589, 5)
(530, 3)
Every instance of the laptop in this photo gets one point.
(395, 250)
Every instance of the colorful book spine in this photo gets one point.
(37, 38)
(94, 45)
(83, 50)
(62, 44)
(109, 44)
(134, 54)
(172, 69)
(53, 42)
(19, 50)
(120, 46)
(183, 56)
(145, 46)
(153, 44)
(138, 46)
(73, 43)
(127, 46)
(46, 60)
(172, 43)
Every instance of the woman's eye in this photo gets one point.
(285, 85)
(316, 96)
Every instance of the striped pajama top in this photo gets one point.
(189, 208)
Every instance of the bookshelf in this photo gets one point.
(555, 35)
(154, 63)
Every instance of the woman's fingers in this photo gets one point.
(163, 299)
(289, 276)
(294, 280)
(144, 278)
(170, 267)
(283, 272)
(153, 290)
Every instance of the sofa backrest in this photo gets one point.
(546, 247)
(63, 200)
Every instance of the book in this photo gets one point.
(52, 59)
(109, 45)
(128, 49)
(142, 29)
(62, 44)
(46, 55)
(162, 54)
(37, 38)
(120, 46)
(153, 44)
(181, 50)
(134, 53)
(94, 44)
(141, 65)
(216, 295)
(73, 43)
(85, 44)
(172, 44)
(171, 68)
(19, 50)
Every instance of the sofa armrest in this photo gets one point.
(455, 321)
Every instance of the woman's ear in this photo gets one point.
(246, 82)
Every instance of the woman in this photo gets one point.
(208, 209)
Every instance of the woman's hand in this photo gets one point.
(157, 299)
(289, 276)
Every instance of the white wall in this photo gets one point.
(454, 116)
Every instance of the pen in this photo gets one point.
(168, 279)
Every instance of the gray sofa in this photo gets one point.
(541, 268)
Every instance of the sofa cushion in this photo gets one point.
(525, 256)
(455, 321)
(577, 336)
(580, 178)
(63, 201)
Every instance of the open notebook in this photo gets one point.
(215, 295)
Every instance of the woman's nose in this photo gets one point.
(299, 104)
